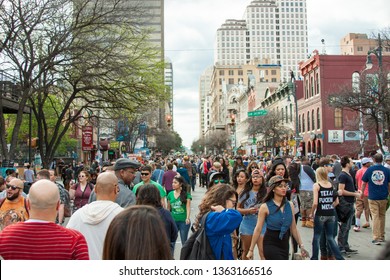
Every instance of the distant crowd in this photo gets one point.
(137, 210)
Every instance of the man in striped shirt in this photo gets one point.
(39, 238)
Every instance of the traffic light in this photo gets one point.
(169, 120)
(232, 119)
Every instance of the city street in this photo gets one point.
(360, 241)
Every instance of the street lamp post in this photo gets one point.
(292, 91)
(378, 53)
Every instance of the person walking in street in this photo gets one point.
(81, 191)
(276, 212)
(149, 195)
(13, 208)
(362, 202)
(29, 175)
(377, 178)
(40, 238)
(146, 174)
(324, 202)
(179, 203)
(222, 220)
(137, 233)
(347, 190)
(168, 178)
(93, 219)
(125, 172)
(249, 202)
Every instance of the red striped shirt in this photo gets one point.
(42, 241)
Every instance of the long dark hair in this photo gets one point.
(137, 233)
(183, 192)
(293, 170)
(148, 194)
(260, 194)
(270, 195)
(214, 196)
(235, 175)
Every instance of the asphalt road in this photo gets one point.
(360, 241)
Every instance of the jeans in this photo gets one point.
(193, 182)
(343, 236)
(327, 224)
(324, 246)
(183, 230)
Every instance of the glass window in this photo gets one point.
(318, 119)
(338, 118)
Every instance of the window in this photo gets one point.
(286, 114)
(318, 119)
(231, 72)
(303, 122)
(299, 124)
(338, 118)
(291, 111)
(231, 81)
(282, 116)
(313, 121)
(308, 121)
(221, 72)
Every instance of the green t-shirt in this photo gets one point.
(178, 209)
(163, 193)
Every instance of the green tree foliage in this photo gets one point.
(92, 55)
(167, 140)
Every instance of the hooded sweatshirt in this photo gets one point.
(92, 220)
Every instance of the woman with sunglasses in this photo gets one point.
(81, 191)
(221, 221)
(249, 202)
(252, 166)
(179, 203)
(276, 212)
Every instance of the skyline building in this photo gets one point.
(272, 30)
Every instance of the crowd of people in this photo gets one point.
(138, 210)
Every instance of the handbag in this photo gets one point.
(343, 209)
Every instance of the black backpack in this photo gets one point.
(197, 247)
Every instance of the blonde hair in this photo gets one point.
(321, 174)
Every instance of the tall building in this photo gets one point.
(204, 89)
(273, 30)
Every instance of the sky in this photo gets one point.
(190, 29)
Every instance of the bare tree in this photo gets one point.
(217, 141)
(270, 127)
(89, 55)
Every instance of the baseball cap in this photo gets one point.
(275, 180)
(366, 160)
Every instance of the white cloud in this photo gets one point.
(191, 25)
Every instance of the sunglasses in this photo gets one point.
(219, 181)
(330, 164)
(234, 202)
(12, 187)
(145, 174)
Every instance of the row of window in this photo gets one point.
(312, 86)
(311, 120)
(231, 72)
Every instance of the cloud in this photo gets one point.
(191, 25)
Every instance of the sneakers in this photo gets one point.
(310, 224)
(356, 228)
(376, 242)
(366, 225)
(351, 251)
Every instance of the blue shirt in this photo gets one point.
(377, 177)
(218, 228)
(278, 220)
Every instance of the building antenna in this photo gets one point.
(323, 46)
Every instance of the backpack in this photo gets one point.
(194, 171)
(67, 205)
(197, 247)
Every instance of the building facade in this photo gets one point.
(273, 30)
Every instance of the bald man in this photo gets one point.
(13, 207)
(93, 219)
(40, 238)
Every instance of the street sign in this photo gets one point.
(257, 113)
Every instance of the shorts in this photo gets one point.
(362, 204)
(248, 224)
(306, 198)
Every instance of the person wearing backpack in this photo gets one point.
(64, 199)
(221, 221)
